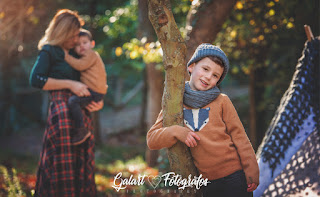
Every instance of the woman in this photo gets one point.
(64, 170)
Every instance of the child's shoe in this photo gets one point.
(80, 135)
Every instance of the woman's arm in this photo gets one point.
(76, 87)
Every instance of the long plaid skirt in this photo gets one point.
(64, 169)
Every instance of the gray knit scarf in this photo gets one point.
(199, 99)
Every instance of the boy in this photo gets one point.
(219, 145)
(93, 74)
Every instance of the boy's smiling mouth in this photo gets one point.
(204, 83)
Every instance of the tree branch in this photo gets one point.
(212, 14)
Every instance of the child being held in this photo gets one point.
(212, 129)
(93, 74)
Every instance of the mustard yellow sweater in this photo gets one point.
(223, 148)
(93, 72)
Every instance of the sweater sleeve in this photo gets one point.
(241, 142)
(83, 63)
(40, 70)
(159, 137)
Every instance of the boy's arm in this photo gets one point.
(241, 141)
(83, 63)
(159, 137)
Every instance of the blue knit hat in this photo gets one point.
(205, 50)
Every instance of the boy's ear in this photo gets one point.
(190, 68)
(93, 43)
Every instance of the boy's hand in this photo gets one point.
(65, 51)
(191, 139)
(252, 187)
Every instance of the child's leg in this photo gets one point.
(96, 97)
(75, 111)
(75, 104)
(212, 189)
(235, 185)
(79, 134)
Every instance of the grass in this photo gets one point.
(21, 162)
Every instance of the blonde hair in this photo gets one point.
(62, 27)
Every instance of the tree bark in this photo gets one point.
(204, 22)
(174, 50)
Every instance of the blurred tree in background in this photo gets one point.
(262, 39)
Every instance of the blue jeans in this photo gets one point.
(75, 104)
(233, 185)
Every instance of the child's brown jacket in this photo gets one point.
(223, 148)
(93, 72)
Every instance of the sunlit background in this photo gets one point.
(262, 39)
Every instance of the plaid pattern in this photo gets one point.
(64, 169)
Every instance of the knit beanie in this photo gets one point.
(205, 50)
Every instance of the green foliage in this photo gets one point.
(267, 37)
(11, 183)
(259, 34)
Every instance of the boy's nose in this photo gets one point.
(208, 76)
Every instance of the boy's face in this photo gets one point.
(204, 74)
(83, 45)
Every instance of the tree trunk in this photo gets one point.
(252, 109)
(155, 91)
(154, 80)
(212, 14)
(174, 51)
(95, 115)
(6, 67)
(261, 114)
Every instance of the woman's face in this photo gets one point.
(72, 41)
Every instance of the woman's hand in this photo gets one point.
(95, 106)
(79, 89)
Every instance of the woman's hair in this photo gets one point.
(62, 27)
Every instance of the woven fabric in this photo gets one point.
(199, 99)
(298, 102)
(286, 142)
(64, 169)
